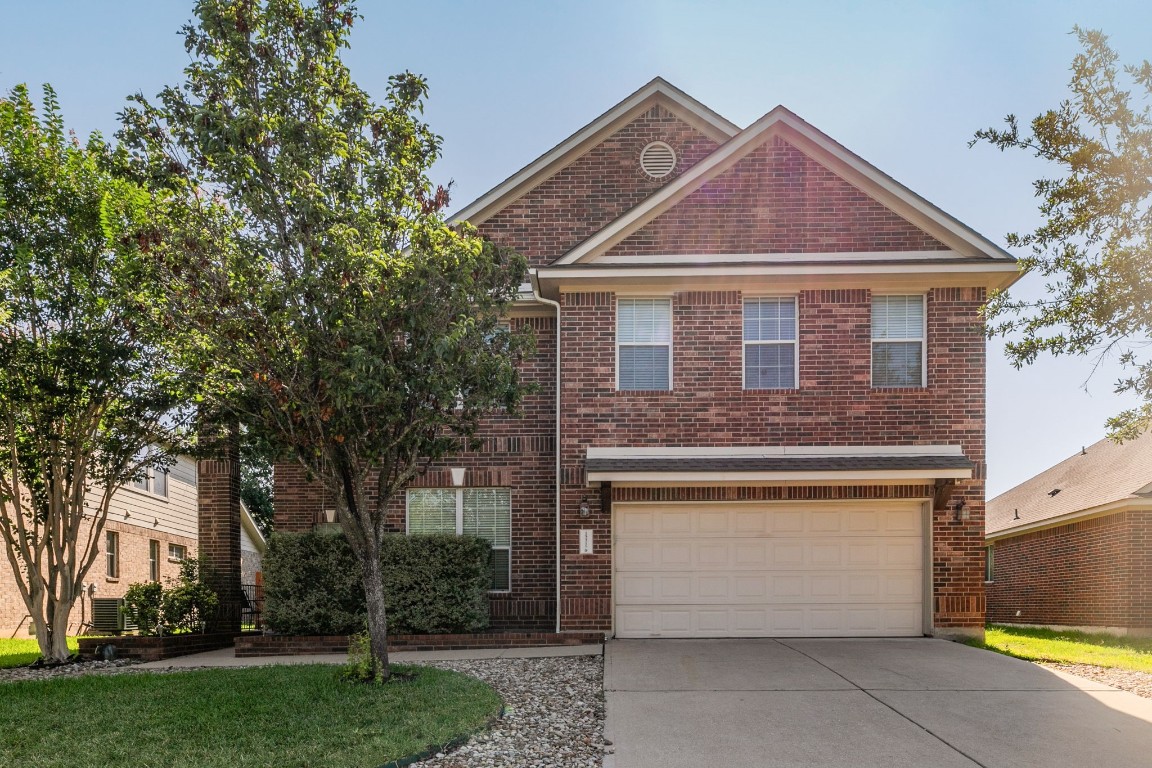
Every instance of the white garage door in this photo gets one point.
(769, 570)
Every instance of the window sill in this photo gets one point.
(112, 579)
(145, 493)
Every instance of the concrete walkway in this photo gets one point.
(226, 657)
(859, 703)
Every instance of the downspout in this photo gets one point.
(556, 448)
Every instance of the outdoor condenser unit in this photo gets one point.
(107, 616)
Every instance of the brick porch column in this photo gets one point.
(218, 492)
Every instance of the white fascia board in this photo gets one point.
(722, 130)
(1111, 508)
(738, 478)
(253, 530)
(968, 266)
(703, 259)
(762, 451)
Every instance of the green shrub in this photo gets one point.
(434, 584)
(186, 605)
(143, 605)
(312, 585)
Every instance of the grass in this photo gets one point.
(236, 718)
(1069, 647)
(20, 652)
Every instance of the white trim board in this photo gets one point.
(760, 451)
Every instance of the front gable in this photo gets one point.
(776, 199)
(595, 188)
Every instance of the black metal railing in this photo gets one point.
(252, 606)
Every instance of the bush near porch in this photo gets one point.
(434, 584)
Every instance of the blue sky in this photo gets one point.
(902, 84)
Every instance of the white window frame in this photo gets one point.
(112, 554)
(460, 524)
(795, 342)
(989, 563)
(922, 339)
(147, 484)
(177, 553)
(671, 335)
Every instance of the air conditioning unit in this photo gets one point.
(107, 615)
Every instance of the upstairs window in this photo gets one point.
(897, 341)
(770, 343)
(644, 344)
(483, 512)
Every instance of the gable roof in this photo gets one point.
(1104, 477)
(658, 91)
(965, 241)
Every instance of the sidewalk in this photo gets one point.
(226, 657)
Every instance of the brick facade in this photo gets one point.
(134, 568)
(219, 530)
(776, 199)
(1090, 573)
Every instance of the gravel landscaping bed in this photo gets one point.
(67, 670)
(1139, 683)
(554, 714)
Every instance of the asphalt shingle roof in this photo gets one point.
(1105, 472)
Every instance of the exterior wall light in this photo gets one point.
(585, 510)
(961, 512)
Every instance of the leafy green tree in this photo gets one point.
(91, 384)
(353, 329)
(1095, 245)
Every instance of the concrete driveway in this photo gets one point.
(859, 703)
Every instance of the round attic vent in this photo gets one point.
(658, 159)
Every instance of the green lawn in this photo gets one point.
(236, 718)
(20, 652)
(1070, 647)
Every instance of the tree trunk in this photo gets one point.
(377, 617)
(58, 634)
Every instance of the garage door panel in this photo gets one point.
(775, 570)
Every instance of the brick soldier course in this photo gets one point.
(776, 209)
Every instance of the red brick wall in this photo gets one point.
(835, 405)
(1089, 573)
(517, 452)
(776, 200)
(218, 488)
(595, 189)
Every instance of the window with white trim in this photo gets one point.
(483, 512)
(155, 482)
(898, 341)
(177, 552)
(990, 563)
(770, 343)
(644, 344)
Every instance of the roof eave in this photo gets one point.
(1130, 504)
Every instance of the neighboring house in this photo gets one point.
(1072, 546)
(770, 411)
(151, 528)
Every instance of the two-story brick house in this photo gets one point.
(761, 376)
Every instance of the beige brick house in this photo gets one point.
(761, 382)
(152, 526)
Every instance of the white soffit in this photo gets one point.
(658, 91)
(833, 156)
(754, 451)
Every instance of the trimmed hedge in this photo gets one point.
(434, 584)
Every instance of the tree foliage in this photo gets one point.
(1095, 244)
(92, 384)
(353, 329)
